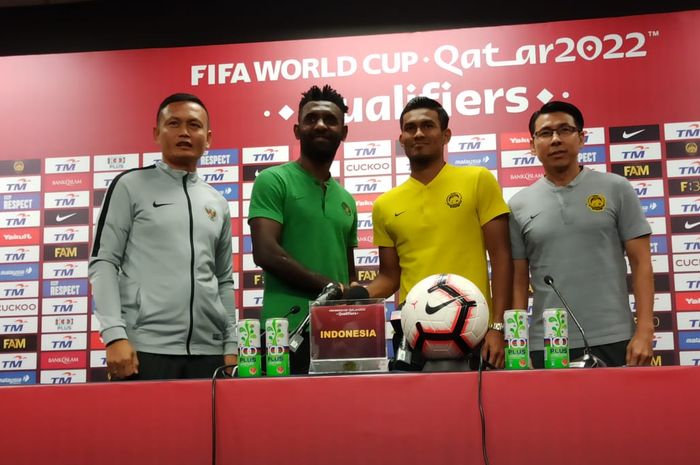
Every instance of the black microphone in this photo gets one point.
(332, 291)
(292, 311)
(588, 360)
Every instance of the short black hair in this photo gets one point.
(328, 94)
(180, 97)
(425, 102)
(557, 107)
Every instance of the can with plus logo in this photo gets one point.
(556, 338)
(249, 351)
(516, 340)
(277, 347)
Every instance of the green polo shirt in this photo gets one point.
(317, 229)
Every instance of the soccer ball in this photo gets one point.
(445, 316)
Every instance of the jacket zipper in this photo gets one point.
(189, 210)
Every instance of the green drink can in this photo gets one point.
(556, 338)
(249, 352)
(516, 340)
(277, 346)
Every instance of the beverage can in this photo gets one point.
(249, 351)
(516, 340)
(277, 346)
(556, 338)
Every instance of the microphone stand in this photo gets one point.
(332, 291)
(589, 360)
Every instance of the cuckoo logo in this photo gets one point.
(18, 307)
(367, 167)
(11, 202)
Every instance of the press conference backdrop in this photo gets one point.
(72, 122)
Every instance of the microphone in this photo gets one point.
(332, 291)
(292, 311)
(588, 360)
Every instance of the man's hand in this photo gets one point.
(640, 348)
(231, 359)
(492, 350)
(121, 360)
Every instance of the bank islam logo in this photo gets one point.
(681, 131)
(67, 165)
(276, 154)
(367, 149)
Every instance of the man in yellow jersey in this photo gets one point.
(443, 219)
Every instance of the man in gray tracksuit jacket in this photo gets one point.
(161, 265)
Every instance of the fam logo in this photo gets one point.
(454, 200)
(596, 202)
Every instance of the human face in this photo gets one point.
(320, 130)
(183, 134)
(559, 153)
(421, 136)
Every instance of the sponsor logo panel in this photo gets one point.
(662, 302)
(515, 140)
(275, 154)
(593, 154)
(688, 320)
(80, 199)
(638, 170)
(252, 298)
(685, 263)
(79, 164)
(658, 244)
(366, 257)
(62, 253)
(16, 378)
(680, 131)
(486, 159)
(682, 168)
(66, 235)
(521, 177)
(20, 167)
(368, 185)
(653, 207)
(19, 307)
(642, 133)
(19, 325)
(98, 358)
(636, 152)
(28, 201)
(472, 143)
(689, 340)
(687, 301)
(22, 254)
(64, 305)
(687, 186)
(19, 271)
(366, 149)
(682, 149)
(63, 376)
(689, 205)
(689, 358)
(663, 358)
(220, 157)
(687, 281)
(63, 323)
(685, 243)
(375, 166)
(116, 162)
(22, 219)
(21, 290)
(253, 280)
(67, 182)
(663, 341)
(63, 341)
(218, 174)
(21, 361)
(70, 217)
(594, 136)
(63, 360)
(17, 184)
(648, 188)
(18, 343)
(518, 158)
(365, 238)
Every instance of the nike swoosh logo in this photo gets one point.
(400, 213)
(60, 219)
(691, 225)
(627, 135)
(430, 309)
(532, 216)
(157, 205)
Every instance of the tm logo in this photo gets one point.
(369, 186)
(65, 378)
(16, 362)
(638, 153)
(368, 151)
(473, 144)
(691, 170)
(693, 207)
(216, 176)
(267, 155)
(371, 259)
(692, 133)
(364, 224)
(66, 236)
(20, 185)
(67, 201)
(68, 166)
(65, 343)
(693, 284)
(692, 245)
(16, 256)
(523, 161)
(642, 188)
(16, 326)
(17, 291)
(65, 307)
(65, 272)
(19, 220)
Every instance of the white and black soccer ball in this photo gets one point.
(444, 316)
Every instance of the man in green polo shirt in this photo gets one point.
(303, 224)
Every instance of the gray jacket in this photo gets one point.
(161, 265)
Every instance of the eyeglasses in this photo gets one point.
(562, 131)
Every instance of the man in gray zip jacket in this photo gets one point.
(161, 267)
